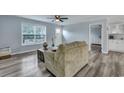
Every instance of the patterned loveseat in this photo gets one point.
(68, 59)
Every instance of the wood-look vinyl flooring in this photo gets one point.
(100, 65)
(23, 65)
(104, 65)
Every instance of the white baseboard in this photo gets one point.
(20, 52)
(104, 52)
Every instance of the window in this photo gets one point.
(33, 34)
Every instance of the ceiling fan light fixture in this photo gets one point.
(57, 20)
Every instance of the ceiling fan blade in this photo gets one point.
(64, 18)
(57, 17)
(61, 20)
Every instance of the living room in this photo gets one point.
(71, 46)
(24, 39)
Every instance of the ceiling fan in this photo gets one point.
(58, 18)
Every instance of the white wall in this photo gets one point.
(10, 33)
(80, 32)
(76, 32)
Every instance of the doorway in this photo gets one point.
(95, 37)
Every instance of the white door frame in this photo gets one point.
(99, 23)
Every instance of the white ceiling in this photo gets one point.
(73, 19)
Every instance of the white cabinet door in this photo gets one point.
(121, 28)
(116, 45)
(112, 45)
(120, 46)
(113, 29)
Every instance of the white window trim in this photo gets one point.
(22, 34)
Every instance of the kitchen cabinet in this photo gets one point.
(121, 28)
(116, 45)
(116, 29)
(116, 37)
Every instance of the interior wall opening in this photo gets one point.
(95, 37)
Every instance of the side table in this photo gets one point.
(40, 55)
